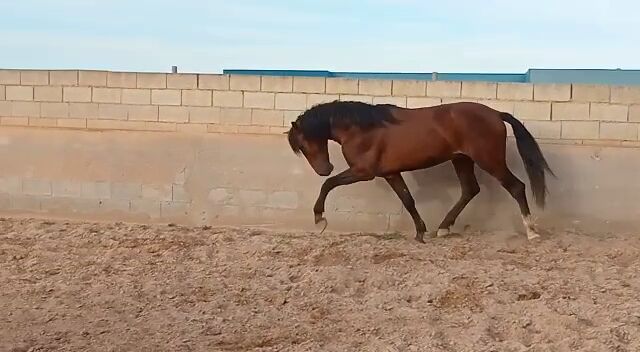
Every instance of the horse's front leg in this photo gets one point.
(346, 177)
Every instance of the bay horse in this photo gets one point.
(384, 140)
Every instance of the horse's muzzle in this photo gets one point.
(325, 171)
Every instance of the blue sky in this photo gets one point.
(365, 35)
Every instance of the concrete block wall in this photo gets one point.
(201, 103)
(209, 149)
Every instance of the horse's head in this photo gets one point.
(314, 149)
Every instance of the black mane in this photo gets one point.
(316, 122)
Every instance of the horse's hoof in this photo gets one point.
(420, 237)
(321, 219)
(442, 233)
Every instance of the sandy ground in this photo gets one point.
(117, 287)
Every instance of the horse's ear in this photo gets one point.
(294, 124)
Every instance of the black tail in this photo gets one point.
(534, 161)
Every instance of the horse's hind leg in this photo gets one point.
(498, 169)
(400, 187)
(464, 167)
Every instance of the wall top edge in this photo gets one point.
(457, 78)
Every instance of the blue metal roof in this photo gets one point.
(593, 76)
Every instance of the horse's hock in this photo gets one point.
(209, 149)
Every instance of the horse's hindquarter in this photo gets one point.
(421, 139)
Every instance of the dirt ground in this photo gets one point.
(116, 287)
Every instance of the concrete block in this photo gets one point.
(126, 190)
(63, 78)
(244, 82)
(570, 111)
(580, 129)
(290, 116)
(76, 94)
(216, 82)
(25, 109)
(49, 94)
(146, 207)
(625, 94)
(180, 193)
(222, 128)
(532, 110)
(151, 80)
(174, 114)
(122, 79)
(361, 98)
(92, 78)
(107, 95)
(114, 205)
(54, 110)
(19, 93)
(411, 88)
(544, 129)
(83, 110)
(10, 185)
(374, 87)
(315, 99)
(157, 192)
(413, 103)
(291, 101)
(42, 122)
(254, 129)
(252, 197)
(552, 92)
(71, 123)
(142, 113)
(196, 97)
(95, 190)
(192, 128)
(515, 91)
(222, 196)
(397, 101)
(283, 200)
(234, 116)
(227, 99)
(160, 126)
(267, 117)
(117, 125)
(26, 203)
(136, 96)
(67, 188)
(309, 84)
(609, 112)
(112, 111)
(499, 105)
(3, 90)
(66, 205)
(444, 89)
(172, 210)
(280, 84)
(634, 113)
(594, 93)
(341, 86)
(279, 130)
(458, 100)
(14, 121)
(480, 90)
(9, 77)
(619, 131)
(166, 97)
(182, 81)
(34, 78)
(204, 115)
(36, 187)
(259, 100)
(5, 108)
